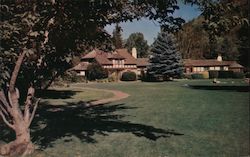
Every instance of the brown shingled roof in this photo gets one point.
(207, 62)
(105, 58)
(115, 56)
(140, 62)
(129, 59)
(100, 56)
(81, 66)
(91, 54)
(235, 65)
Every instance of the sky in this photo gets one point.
(150, 29)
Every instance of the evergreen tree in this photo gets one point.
(165, 58)
(117, 37)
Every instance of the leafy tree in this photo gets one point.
(193, 40)
(96, 71)
(137, 40)
(227, 47)
(243, 36)
(220, 17)
(165, 58)
(216, 31)
(117, 37)
(244, 48)
(38, 40)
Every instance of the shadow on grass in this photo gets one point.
(53, 122)
(221, 87)
(55, 94)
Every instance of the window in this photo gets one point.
(202, 68)
(211, 68)
(194, 69)
(217, 68)
(198, 69)
(225, 68)
(118, 63)
(82, 73)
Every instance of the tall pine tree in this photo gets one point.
(165, 59)
(117, 37)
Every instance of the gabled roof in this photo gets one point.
(235, 65)
(91, 54)
(105, 58)
(81, 66)
(115, 56)
(141, 62)
(100, 56)
(129, 59)
(206, 62)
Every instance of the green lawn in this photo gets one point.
(65, 95)
(164, 119)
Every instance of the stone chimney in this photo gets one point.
(219, 58)
(134, 52)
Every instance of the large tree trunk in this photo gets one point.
(14, 118)
(22, 144)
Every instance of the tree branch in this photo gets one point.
(28, 103)
(15, 72)
(3, 109)
(5, 121)
(51, 80)
(5, 102)
(33, 112)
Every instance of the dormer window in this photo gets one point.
(118, 63)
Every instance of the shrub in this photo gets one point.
(96, 72)
(205, 74)
(225, 74)
(238, 75)
(187, 76)
(144, 76)
(197, 76)
(128, 76)
(72, 76)
(111, 79)
(213, 74)
(247, 75)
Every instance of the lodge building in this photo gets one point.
(121, 60)
(115, 62)
(197, 66)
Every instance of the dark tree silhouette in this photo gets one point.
(117, 37)
(96, 71)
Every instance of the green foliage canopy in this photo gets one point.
(137, 40)
(50, 32)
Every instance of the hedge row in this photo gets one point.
(215, 74)
(197, 76)
(225, 74)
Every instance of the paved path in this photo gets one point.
(117, 95)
